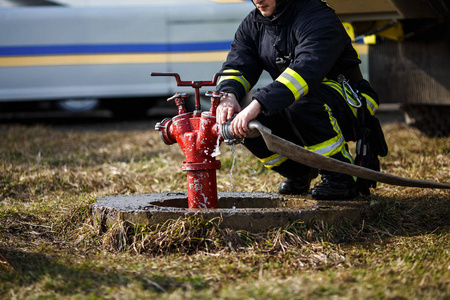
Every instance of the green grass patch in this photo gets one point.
(51, 248)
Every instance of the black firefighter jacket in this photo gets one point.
(309, 32)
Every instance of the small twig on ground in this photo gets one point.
(4, 261)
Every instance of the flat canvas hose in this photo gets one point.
(319, 161)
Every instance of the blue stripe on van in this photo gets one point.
(112, 48)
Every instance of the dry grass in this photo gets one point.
(50, 248)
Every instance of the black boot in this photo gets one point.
(297, 185)
(335, 186)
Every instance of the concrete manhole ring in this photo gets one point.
(252, 212)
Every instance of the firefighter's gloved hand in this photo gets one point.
(228, 106)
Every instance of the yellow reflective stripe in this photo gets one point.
(333, 121)
(294, 82)
(273, 161)
(240, 79)
(372, 105)
(328, 148)
(338, 88)
(347, 155)
(333, 145)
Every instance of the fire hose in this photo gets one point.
(314, 160)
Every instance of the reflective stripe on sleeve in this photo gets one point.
(294, 82)
(273, 161)
(240, 79)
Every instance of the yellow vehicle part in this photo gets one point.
(394, 33)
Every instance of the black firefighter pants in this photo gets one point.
(321, 122)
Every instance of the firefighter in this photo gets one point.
(304, 47)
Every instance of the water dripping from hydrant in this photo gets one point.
(234, 151)
(245, 161)
(216, 151)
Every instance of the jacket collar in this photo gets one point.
(283, 15)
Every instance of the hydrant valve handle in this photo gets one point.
(215, 94)
(215, 100)
(179, 102)
(194, 84)
(177, 95)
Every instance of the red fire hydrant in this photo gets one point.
(197, 135)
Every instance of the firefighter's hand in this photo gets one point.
(228, 106)
(239, 125)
